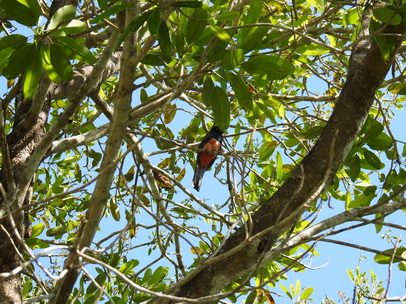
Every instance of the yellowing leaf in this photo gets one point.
(196, 250)
(181, 175)
(169, 113)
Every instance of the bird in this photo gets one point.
(212, 143)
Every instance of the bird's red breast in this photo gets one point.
(205, 159)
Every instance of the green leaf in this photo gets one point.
(381, 142)
(126, 268)
(254, 12)
(373, 160)
(35, 243)
(312, 50)
(63, 14)
(241, 91)
(383, 259)
(60, 62)
(306, 293)
(220, 33)
(154, 58)
(164, 42)
(112, 10)
(233, 58)
(56, 231)
(249, 39)
(37, 229)
(351, 17)
(79, 50)
(157, 276)
(354, 168)
(73, 27)
(272, 67)
(25, 12)
(196, 24)
(32, 75)
(188, 4)
(387, 15)
(216, 98)
(385, 44)
(362, 201)
(47, 64)
(13, 41)
(19, 60)
(227, 16)
(221, 108)
(153, 21)
(208, 91)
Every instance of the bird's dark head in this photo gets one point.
(216, 130)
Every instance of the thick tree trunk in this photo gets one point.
(27, 134)
(21, 142)
(242, 254)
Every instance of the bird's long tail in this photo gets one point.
(198, 176)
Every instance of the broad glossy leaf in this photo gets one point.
(312, 50)
(165, 42)
(24, 12)
(208, 91)
(37, 229)
(351, 17)
(57, 231)
(387, 15)
(354, 167)
(73, 27)
(153, 58)
(126, 268)
(65, 13)
(60, 62)
(196, 24)
(272, 67)
(46, 63)
(383, 259)
(373, 160)
(12, 41)
(381, 142)
(35, 243)
(250, 38)
(217, 99)
(362, 201)
(241, 91)
(233, 59)
(220, 33)
(81, 52)
(221, 108)
(32, 75)
(227, 16)
(19, 60)
(154, 21)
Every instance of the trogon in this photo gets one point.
(212, 144)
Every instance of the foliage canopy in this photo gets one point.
(103, 96)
